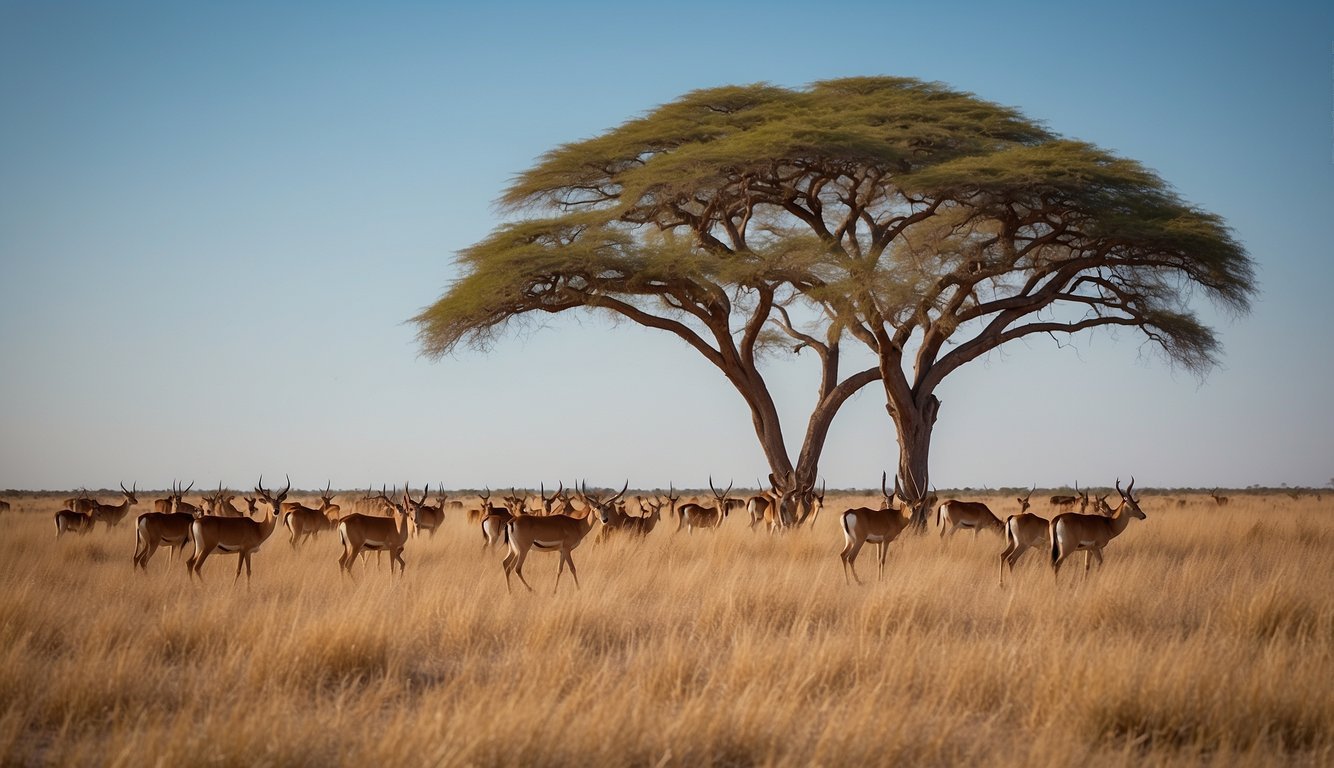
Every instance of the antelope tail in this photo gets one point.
(1055, 544)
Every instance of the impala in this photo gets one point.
(157, 529)
(694, 516)
(426, 517)
(112, 514)
(554, 533)
(973, 515)
(305, 523)
(69, 520)
(1072, 531)
(367, 533)
(1219, 500)
(877, 526)
(240, 536)
(1022, 531)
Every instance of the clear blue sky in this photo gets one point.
(215, 219)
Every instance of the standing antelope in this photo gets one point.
(70, 520)
(878, 526)
(1219, 500)
(426, 517)
(695, 516)
(553, 533)
(973, 515)
(240, 536)
(1072, 531)
(644, 525)
(157, 529)
(305, 523)
(362, 533)
(112, 514)
(1022, 531)
(4, 506)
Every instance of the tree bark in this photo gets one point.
(914, 422)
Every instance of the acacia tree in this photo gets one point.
(925, 223)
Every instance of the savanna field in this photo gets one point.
(1207, 638)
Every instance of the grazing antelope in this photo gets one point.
(240, 536)
(1072, 531)
(368, 533)
(157, 529)
(553, 533)
(694, 516)
(774, 507)
(112, 514)
(1022, 531)
(877, 526)
(1219, 500)
(972, 515)
(1067, 503)
(68, 520)
(426, 517)
(305, 523)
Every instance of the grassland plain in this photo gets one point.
(1208, 638)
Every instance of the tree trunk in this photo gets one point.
(914, 422)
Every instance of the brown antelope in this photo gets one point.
(613, 516)
(181, 505)
(775, 506)
(877, 526)
(1072, 531)
(553, 533)
(157, 529)
(4, 506)
(369, 533)
(694, 516)
(1067, 503)
(112, 514)
(1100, 505)
(81, 503)
(1219, 500)
(304, 523)
(240, 536)
(1022, 531)
(644, 525)
(68, 520)
(972, 515)
(426, 517)
(222, 504)
(812, 503)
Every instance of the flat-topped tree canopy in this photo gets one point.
(904, 213)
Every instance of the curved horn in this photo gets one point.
(1118, 488)
(1131, 488)
(289, 486)
(624, 488)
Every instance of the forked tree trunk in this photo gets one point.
(914, 422)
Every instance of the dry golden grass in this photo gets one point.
(1208, 638)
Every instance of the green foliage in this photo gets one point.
(887, 204)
